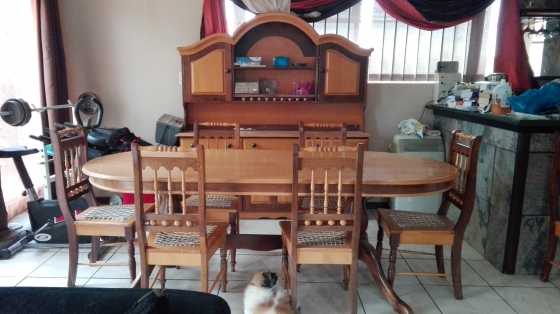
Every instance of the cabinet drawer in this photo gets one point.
(356, 141)
(273, 144)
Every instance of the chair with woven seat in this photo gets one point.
(322, 134)
(554, 219)
(170, 235)
(222, 136)
(321, 235)
(70, 154)
(405, 227)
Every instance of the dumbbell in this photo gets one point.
(88, 110)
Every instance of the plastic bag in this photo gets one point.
(536, 101)
(411, 126)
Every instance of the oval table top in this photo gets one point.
(268, 172)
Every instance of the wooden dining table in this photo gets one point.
(268, 172)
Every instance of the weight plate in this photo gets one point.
(42, 237)
(16, 109)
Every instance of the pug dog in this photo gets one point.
(263, 296)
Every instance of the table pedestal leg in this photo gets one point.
(368, 257)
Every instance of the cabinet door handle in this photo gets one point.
(228, 71)
(254, 145)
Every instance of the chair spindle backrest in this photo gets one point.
(329, 173)
(171, 171)
(70, 154)
(463, 155)
(324, 135)
(217, 135)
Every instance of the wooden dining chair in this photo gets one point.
(322, 134)
(170, 236)
(405, 227)
(321, 235)
(70, 154)
(226, 136)
(554, 219)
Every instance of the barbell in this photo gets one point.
(88, 111)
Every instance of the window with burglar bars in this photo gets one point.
(400, 52)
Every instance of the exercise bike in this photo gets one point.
(47, 223)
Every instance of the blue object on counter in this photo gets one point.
(535, 101)
(281, 62)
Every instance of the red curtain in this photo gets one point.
(511, 55)
(213, 18)
(404, 11)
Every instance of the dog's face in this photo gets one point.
(265, 279)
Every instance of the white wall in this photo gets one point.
(125, 51)
(390, 102)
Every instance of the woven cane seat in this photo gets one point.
(179, 239)
(108, 213)
(316, 238)
(213, 201)
(406, 220)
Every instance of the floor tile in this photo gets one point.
(24, 262)
(469, 276)
(234, 295)
(57, 266)
(10, 281)
(495, 278)
(193, 285)
(427, 252)
(121, 272)
(531, 300)
(49, 282)
(108, 283)
(248, 265)
(321, 297)
(476, 300)
(414, 295)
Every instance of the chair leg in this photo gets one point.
(456, 270)
(292, 269)
(379, 246)
(204, 277)
(235, 231)
(345, 276)
(285, 274)
(94, 253)
(223, 268)
(353, 287)
(72, 260)
(439, 259)
(162, 277)
(549, 256)
(131, 257)
(394, 243)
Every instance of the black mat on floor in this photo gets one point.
(107, 301)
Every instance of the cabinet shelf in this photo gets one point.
(273, 98)
(270, 68)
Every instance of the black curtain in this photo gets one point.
(449, 10)
(305, 8)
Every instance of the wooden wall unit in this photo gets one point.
(336, 66)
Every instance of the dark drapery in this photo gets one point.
(213, 18)
(52, 67)
(433, 14)
(511, 56)
(308, 9)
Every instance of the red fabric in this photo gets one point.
(128, 198)
(511, 56)
(405, 12)
(310, 4)
(213, 18)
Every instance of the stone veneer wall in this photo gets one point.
(488, 226)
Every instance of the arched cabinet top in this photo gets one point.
(304, 35)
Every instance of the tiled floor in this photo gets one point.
(486, 290)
